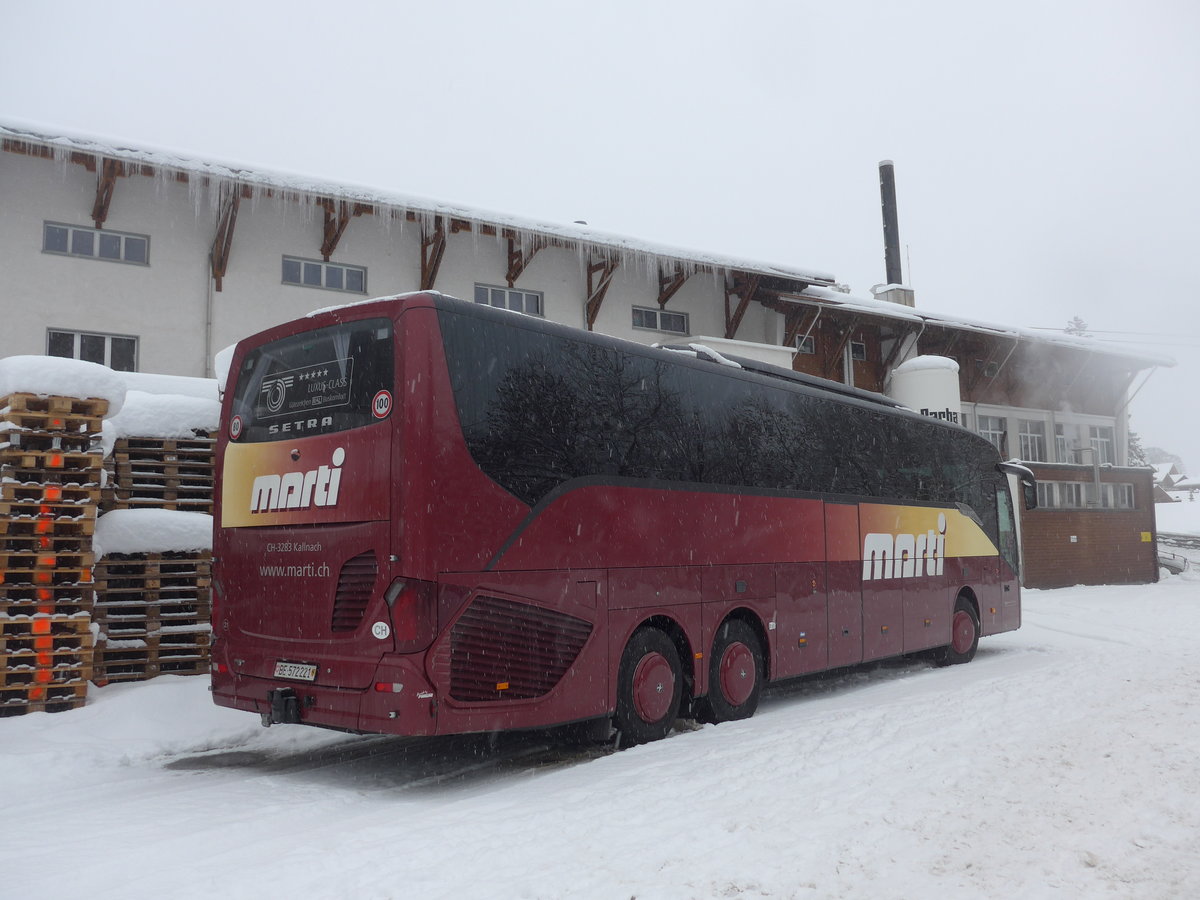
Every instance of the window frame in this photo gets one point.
(658, 315)
(96, 235)
(305, 266)
(77, 336)
(491, 292)
(1031, 436)
(987, 434)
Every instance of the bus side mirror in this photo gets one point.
(1028, 481)
(1029, 495)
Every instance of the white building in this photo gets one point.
(147, 261)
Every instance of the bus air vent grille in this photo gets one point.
(354, 591)
(504, 650)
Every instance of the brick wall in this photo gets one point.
(1108, 545)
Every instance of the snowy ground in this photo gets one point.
(1060, 763)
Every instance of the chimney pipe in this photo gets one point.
(891, 230)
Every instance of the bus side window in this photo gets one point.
(1008, 531)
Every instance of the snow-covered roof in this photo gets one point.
(823, 296)
(64, 144)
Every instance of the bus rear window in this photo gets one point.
(322, 381)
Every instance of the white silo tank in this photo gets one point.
(928, 385)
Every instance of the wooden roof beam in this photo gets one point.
(669, 285)
(518, 259)
(433, 248)
(106, 180)
(337, 217)
(798, 321)
(223, 240)
(744, 286)
(599, 277)
(835, 357)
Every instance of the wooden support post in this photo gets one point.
(599, 277)
(743, 286)
(433, 248)
(223, 240)
(106, 181)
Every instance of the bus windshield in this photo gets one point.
(313, 383)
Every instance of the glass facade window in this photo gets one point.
(1101, 439)
(992, 428)
(522, 301)
(93, 243)
(1032, 435)
(660, 320)
(329, 276)
(116, 351)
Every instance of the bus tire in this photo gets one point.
(964, 635)
(735, 674)
(649, 687)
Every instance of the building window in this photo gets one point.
(117, 351)
(806, 344)
(1032, 435)
(660, 320)
(92, 243)
(1085, 495)
(1062, 449)
(330, 276)
(1101, 438)
(858, 350)
(992, 428)
(528, 302)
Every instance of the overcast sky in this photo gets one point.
(1047, 153)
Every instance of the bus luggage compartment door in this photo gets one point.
(843, 551)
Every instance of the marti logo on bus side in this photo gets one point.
(905, 555)
(299, 490)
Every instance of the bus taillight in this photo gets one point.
(414, 613)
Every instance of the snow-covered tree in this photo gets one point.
(1137, 453)
(1077, 326)
(1158, 456)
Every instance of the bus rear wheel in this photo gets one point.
(649, 687)
(964, 636)
(735, 674)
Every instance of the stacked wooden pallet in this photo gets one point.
(153, 600)
(161, 473)
(50, 472)
(154, 612)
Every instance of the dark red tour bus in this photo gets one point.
(437, 517)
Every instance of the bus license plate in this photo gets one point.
(296, 671)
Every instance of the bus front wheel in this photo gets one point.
(735, 674)
(964, 636)
(649, 687)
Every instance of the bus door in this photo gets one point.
(843, 554)
(1010, 610)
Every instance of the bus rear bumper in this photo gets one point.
(399, 701)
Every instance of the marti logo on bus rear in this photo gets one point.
(905, 555)
(299, 490)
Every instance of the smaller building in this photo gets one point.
(1093, 525)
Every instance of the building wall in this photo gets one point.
(180, 319)
(1063, 547)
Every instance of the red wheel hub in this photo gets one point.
(737, 673)
(962, 634)
(653, 687)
